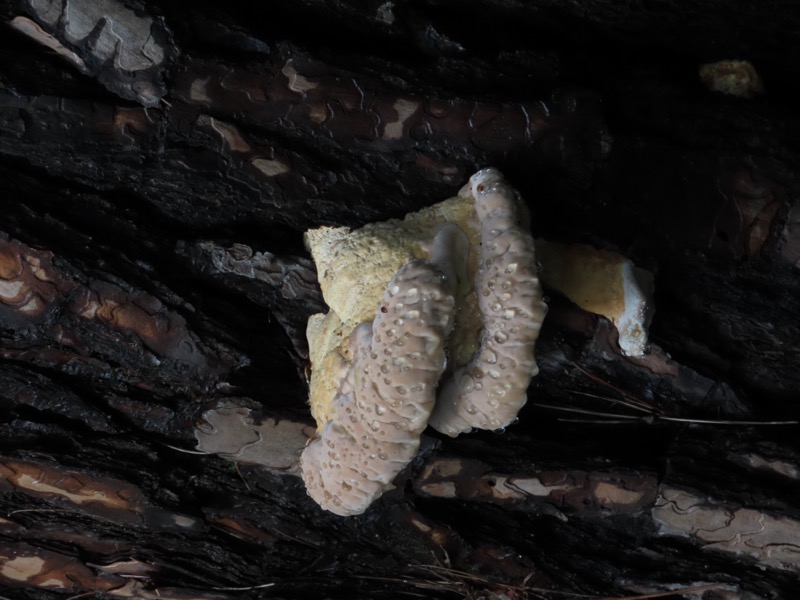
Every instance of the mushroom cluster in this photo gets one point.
(464, 311)
(433, 321)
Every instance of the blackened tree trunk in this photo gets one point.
(160, 163)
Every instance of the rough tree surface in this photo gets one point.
(160, 162)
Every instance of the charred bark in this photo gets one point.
(160, 163)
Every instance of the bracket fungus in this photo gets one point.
(387, 395)
(453, 283)
(604, 283)
(489, 391)
(451, 344)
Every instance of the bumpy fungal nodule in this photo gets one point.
(455, 283)
(387, 394)
(354, 269)
(474, 265)
(489, 391)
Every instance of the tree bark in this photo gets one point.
(160, 163)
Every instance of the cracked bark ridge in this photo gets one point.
(285, 286)
(93, 325)
(437, 141)
(574, 355)
(256, 145)
(597, 493)
(127, 51)
(100, 497)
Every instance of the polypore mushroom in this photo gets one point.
(489, 391)
(373, 378)
(354, 268)
(605, 283)
(388, 392)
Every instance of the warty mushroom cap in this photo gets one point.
(354, 268)
(387, 395)
(489, 391)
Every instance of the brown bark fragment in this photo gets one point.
(102, 497)
(24, 565)
(593, 492)
(89, 319)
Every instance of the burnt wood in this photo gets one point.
(160, 162)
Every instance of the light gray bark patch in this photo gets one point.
(773, 541)
(232, 432)
(127, 52)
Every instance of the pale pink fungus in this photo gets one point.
(387, 395)
(489, 391)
